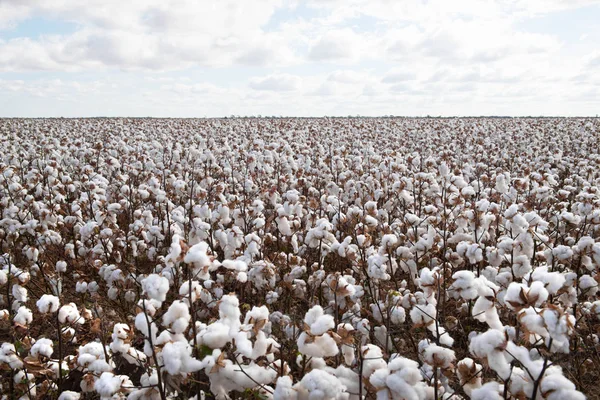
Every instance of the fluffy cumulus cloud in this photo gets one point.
(214, 58)
(276, 83)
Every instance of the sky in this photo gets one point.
(214, 58)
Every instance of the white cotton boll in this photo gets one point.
(464, 284)
(378, 378)
(69, 395)
(130, 296)
(48, 304)
(19, 293)
(422, 315)
(113, 293)
(588, 285)
(61, 266)
(271, 297)
(283, 225)
(156, 287)
(284, 390)
(81, 287)
(229, 309)
(397, 315)
(438, 356)
(511, 211)
(242, 277)
(555, 386)
(23, 378)
(215, 336)
(235, 265)
(108, 384)
(553, 281)
(8, 355)
(474, 253)
(177, 359)
(141, 323)
(177, 317)
(469, 373)
(372, 359)
(489, 391)
(560, 326)
(69, 314)
(537, 293)
(42, 347)
(405, 380)
(322, 323)
(562, 252)
(319, 346)
(320, 385)
(121, 331)
(490, 345)
(92, 357)
(24, 316)
(521, 266)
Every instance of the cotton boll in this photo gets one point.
(555, 386)
(8, 355)
(588, 285)
(81, 287)
(405, 380)
(19, 293)
(271, 297)
(215, 335)
(422, 315)
(553, 281)
(397, 315)
(69, 314)
(156, 287)
(48, 304)
(320, 385)
(242, 277)
(177, 359)
(560, 325)
(521, 266)
(489, 391)
(61, 266)
(145, 325)
(177, 317)
(319, 346)
(438, 356)
(92, 358)
(469, 373)
(464, 284)
(69, 395)
(42, 347)
(372, 359)
(284, 390)
(490, 345)
(24, 316)
(317, 321)
(108, 384)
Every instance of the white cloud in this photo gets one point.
(398, 76)
(277, 83)
(337, 45)
(331, 56)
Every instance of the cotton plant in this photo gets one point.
(291, 258)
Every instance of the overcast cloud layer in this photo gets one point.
(189, 58)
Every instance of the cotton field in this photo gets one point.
(333, 258)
